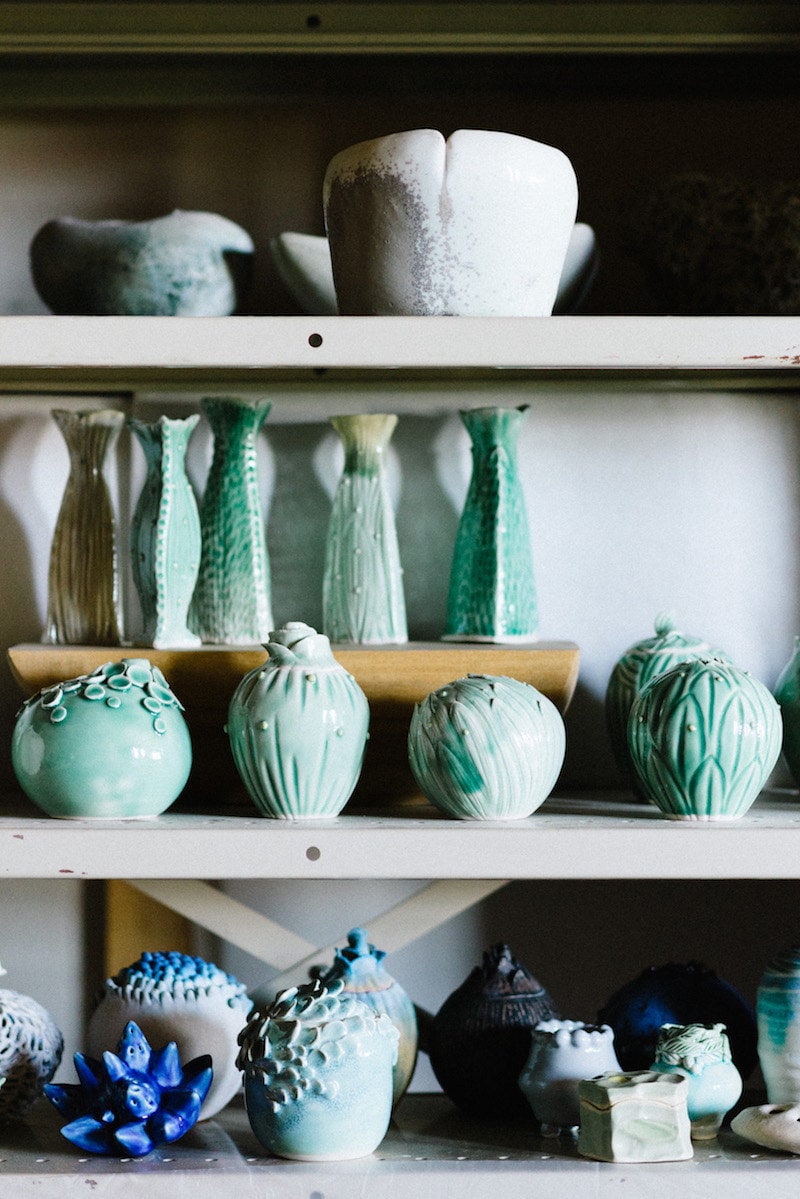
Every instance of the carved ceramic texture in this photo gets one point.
(182, 264)
(363, 598)
(231, 604)
(636, 1117)
(131, 1101)
(701, 1052)
(639, 664)
(317, 1069)
(486, 747)
(110, 744)
(175, 997)
(360, 966)
(787, 693)
(31, 1045)
(298, 727)
(475, 225)
(165, 534)
(778, 1018)
(492, 592)
(703, 738)
(562, 1053)
(83, 578)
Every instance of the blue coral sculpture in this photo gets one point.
(132, 1100)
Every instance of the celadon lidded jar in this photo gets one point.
(703, 739)
(298, 727)
(640, 664)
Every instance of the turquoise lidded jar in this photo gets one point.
(298, 727)
(703, 739)
(360, 967)
(486, 747)
(641, 663)
(110, 744)
(317, 1069)
(701, 1052)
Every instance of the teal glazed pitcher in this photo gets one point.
(231, 604)
(492, 593)
(165, 534)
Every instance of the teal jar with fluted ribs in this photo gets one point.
(703, 739)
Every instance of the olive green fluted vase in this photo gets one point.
(83, 576)
(492, 593)
(363, 599)
(231, 604)
(165, 533)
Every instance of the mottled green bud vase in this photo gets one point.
(492, 593)
(486, 747)
(165, 534)
(231, 604)
(298, 728)
(362, 597)
(640, 663)
(703, 739)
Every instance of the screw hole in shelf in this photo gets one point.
(315, 340)
(313, 21)
(313, 853)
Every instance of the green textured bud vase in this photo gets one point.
(83, 577)
(231, 604)
(361, 969)
(640, 663)
(703, 739)
(362, 595)
(165, 534)
(486, 747)
(110, 744)
(492, 592)
(787, 693)
(298, 728)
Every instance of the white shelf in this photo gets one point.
(430, 1150)
(567, 838)
(126, 353)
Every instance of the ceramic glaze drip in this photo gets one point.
(231, 604)
(363, 599)
(291, 1047)
(486, 747)
(703, 739)
(132, 1100)
(30, 1052)
(107, 685)
(156, 976)
(165, 533)
(83, 577)
(492, 591)
(693, 1046)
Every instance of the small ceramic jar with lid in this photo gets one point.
(640, 1116)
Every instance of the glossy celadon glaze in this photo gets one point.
(360, 966)
(702, 1052)
(129, 1102)
(778, 1020)
(362, 594)
(317, 1069)
(181, 264)
(562, 1053)
(703, 739)
(176, 997)
(298, 727)
(165, 534)
(110, 744)
(83, 584)
(477, 224)
(787, 693)
(231, 604)
(486, 747)
(31, 1045)
(639, 1116)
(492, 590)
(641, 663)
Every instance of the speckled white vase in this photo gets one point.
(474, 225)
(175, 997)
